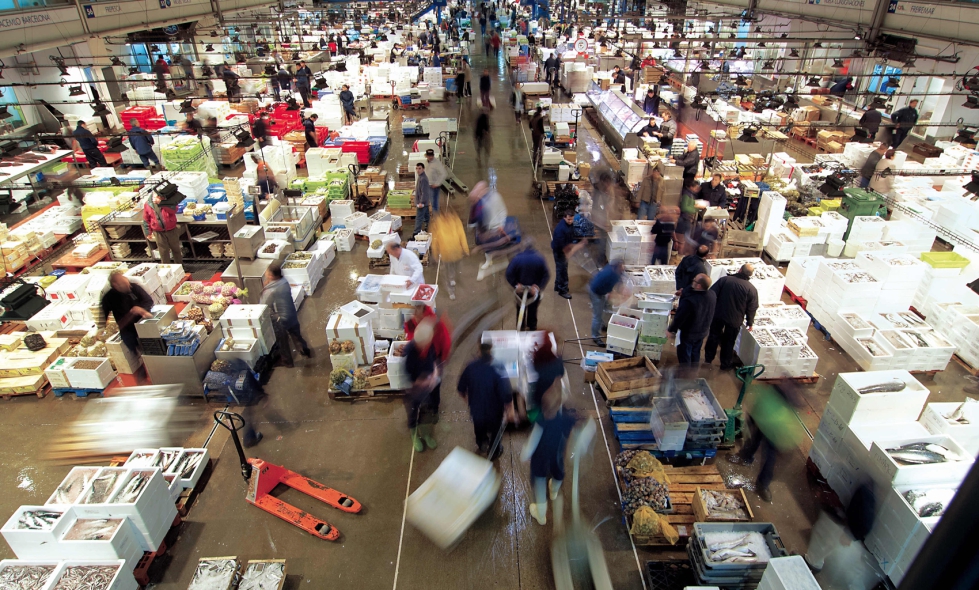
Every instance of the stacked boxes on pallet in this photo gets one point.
(762, 539)
(705, 417)
(246, 323)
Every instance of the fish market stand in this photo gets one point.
(188, 371)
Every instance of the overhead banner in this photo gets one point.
(101, 10)
(36, 19)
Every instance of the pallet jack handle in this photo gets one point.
(234, 422)
(746, 375)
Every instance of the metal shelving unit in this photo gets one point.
(199, 251)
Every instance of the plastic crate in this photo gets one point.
(767, 530)
(729, 579)
(670, 574)
(699, 426)
(945, 259)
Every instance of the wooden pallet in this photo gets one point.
(968, 368)
(39, 393)
(404, 213)
(803, 380)
(368, 395)
(684, 482)
(78, 391)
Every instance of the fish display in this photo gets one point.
(25, 577)
(723, 505)
(93, 529)
(958, 416)
(698, 406)
(213, 573)
(133, 488)
(872, 347)
(737, 547)
(38, 520)
(87, 577)
(265, 575)
(929, 502)
(167, 458)
(102, 487)
(144, 460)
(73, 486)
(921, 454)
(892, 386)
(185, 465)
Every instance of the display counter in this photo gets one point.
(188, 371)
(618, 116)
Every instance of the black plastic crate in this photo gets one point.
(153, 346)
(670, 574)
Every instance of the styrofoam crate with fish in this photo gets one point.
(960, 420)
(215, 573)
(109, 574)
(878, 396)
(144, 498)
(920, 460)
(737, 545)
(699, 404)
(72, 486)
(189, 466)
(28, 574)
(33, 531)
(101, 538)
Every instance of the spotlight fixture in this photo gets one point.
(748, 133)
(214, 35)
(165, 189)
(236, 29)
(244, 138)
(971, 102)
(794, 53)
(63, 82)
(973, 186)
(269, 70)
(909, 62)
(783, 36)
(61, 65)
(757, 29)
(208, 48)
(732, 36)
(741, 52)
(856, 53)
(75, 91)
(710, 30)
(858, 35)
(838, 63)
(677, 54)
(817, 45)
(114, 181)
(5, 113)
(319, 82)
(814, 81)
(295, 56)
(99, 108)
(187, 106)
(116, 61)
(741, 81)
(699, 101)
(733, 54)
(236, 39)
(704, 65)
(154, 49)
(706, 45)
(761, 44)
(833, 187)
(133, 70)
(656, 45)
(769, 64)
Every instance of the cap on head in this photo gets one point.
(429, 153)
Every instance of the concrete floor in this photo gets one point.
(363, 448)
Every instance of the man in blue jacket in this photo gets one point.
(486, 389)
(528, 272)
(303, 77)
(599, 288)
(142, 142)
(904, 120)
(89, 145)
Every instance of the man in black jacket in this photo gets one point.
(714, 191)
(904, 119)
(128, 304)
(691, 266)
(870, 121)
(692, 319)
(737, 302)
(690, 160)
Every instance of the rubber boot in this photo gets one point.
(554, 487)
(539, 512)
(416, 441)
(425, 431)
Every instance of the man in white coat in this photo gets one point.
(405, 263)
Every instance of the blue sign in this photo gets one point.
(89, 11)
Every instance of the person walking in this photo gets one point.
(160, 218)
(482, 25)
(869, 167)
(284, 78)
(692, 320)
(650, 194)
(904, 120)
(423, 398)
(460, 84)
(482, 138)
(662, 232)
(347, 100)
(550, 65)
(277, 295)
(161, 68)
(449, 244)
(690, 266)
(516, 101)
(563, 246)
(232, 83)
(884, 184)
(405, 263)
(485, 388)
(870, 121)
(309, 129)
(737, 302)
(650, 104)
(423, 199)
(484, 89)
(496, 42)
(128, 304)
(527, 273)
(546, 449)
(142, 143)
(467, 70)
(437, 176)
(537, 136)
(603, 283)
(89, 145)
(303, 77)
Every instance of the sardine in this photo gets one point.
(735, 554)
(958, 416)
(729, 544)
(892, 386)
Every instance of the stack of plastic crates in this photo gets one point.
(702, 432)
(731, 572)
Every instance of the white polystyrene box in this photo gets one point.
(122, 544)
(34, 543)
(967, 434)
(886, 470)
(871, 408)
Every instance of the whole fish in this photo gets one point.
(729, 544)
(916, 455)
(958, 416)
(933, 509)
(735, 554)
(892, 386)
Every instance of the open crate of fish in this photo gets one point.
(699, 405)
(920, 460)
(22, 574)
(101, 538)
(263, 574)
(730, 579)
(736, 545)
(33, 531)
(103, 574)
(105, 482)
(72, 486)
(721, 506)
(189, 466)
(215, 573)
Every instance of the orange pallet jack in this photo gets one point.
(263, 477)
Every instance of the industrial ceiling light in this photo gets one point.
(733, 54)
(75, 91)
(114, 181)
(973, 186)
(295, 56)
(761, 44)
(838, 63)
(706, 45)
(757, 29)
(732, 36)
(856, 53)
(99, 108)
(5, 113)
(741, 81)
(61, 65)
(794, 53)
(187, 106)
(909, 63)
(769, 64)
(858, 35)
(817, 45)
(833, 187)
(165, 189)
(154, 49)
(741, 52)
(656, 45)
(971, 102)
(814, 81)
(710, 30)
(116, 61)
(861, 135)
(209, 48)
(63, 82)
(214, 34)
(133, 70)
(293, 104)
(319, 82)
(236, 39)
(269, 70)
(748, 133)
(783, 36)
(705, 65)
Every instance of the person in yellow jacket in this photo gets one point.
(449, 243)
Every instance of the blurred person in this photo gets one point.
(260, 131)
(773, 425)
(714, 192)
(904, 120)
(266, 183)
(467, 69)
(537, 136)
(188, 67)
(449, 244)
(667, 131)
(516, 100)
(884, 184)
(231, 83)
(688, 206)
(277, 295)
(485, 388)
(303, 77)
(128, 304)
(160, 219)
(405, 263)
(438, 174)
(550, 67)
(650, 194)
(496, 42)
(527, 272)
(161, 68)
(663, 231)
(869, 168)
(284, 78)
(276, 87)
(606, 206)
(423, 398)
(870, 121)
(484, 89)
(212, 131)
(842, 87)
(650, 103)
(488, 211)
(309, 130)
(460, 84)
(482, 26)
(142, 143)
(690, 266)
(691, 322)
(599, 288)
(706, 233)
(441, 337)
(546, 449)
(563, 247)
(737, 302)
(482, 138)
(423, 199)
(690, 160)
(347, 100)
(89, 145)
(549, 368)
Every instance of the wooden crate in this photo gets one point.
(620, 379)
(232, 579)
(684, 483)
(700, 509)
(258, 562)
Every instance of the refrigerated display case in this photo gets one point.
(619, 117)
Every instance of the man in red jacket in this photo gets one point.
(160, 217)
(441, 339)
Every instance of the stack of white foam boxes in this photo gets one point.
(767, 279)
(625, 243)
(800, 274)
(865, 228)
(647, 239)
(960, 325)
(842, 285)
(661, 279)
(249, 323)
(388, 295)
(397, 374)
(783, 351)
(891, 340)
(343, 328)
(849, 449)
(916, 236)
(787, 573)
(655, 322)
(942, 285)
(898, 275)
(623, 331)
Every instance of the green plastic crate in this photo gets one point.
(945, 259)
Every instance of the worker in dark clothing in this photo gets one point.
(89, 146)
(192, 126)
(618, 77)
(714, 192)
(737, 302)
(692, 319)
(904, 119)
(690, 160)
(599, 288)
(667, 131)
(142, 143)
(537, 136)
(527, 273)
(285, 79)
(691, 266)
(546, 451)
(870, 121)
(563, 246)
(260, 131)
(841, 87)
(276, 294)
(649, 129)
(481, 137)
(550, 65)
(662, 232)
(231, 83)
(869, 167)
(303, 77)
(309, 128)
(347, 100)
(128, 303)
(484, 89)
(424, 396)
(650, 104)
(486, 388)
